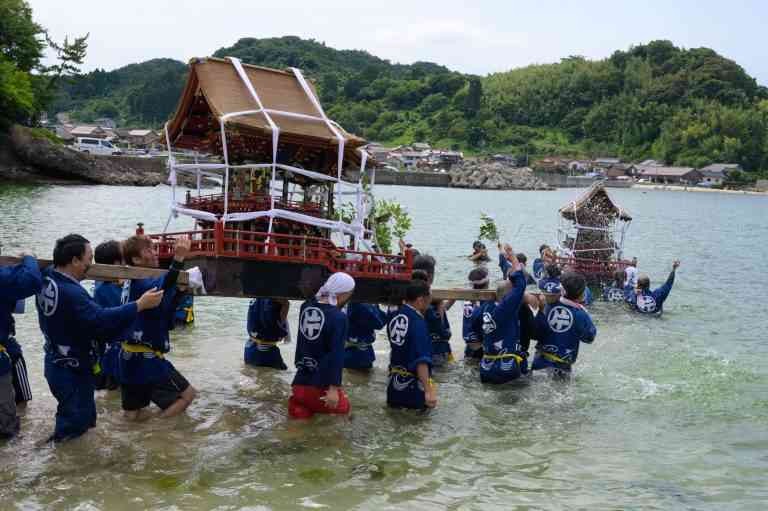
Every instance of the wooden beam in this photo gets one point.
(114, 272)
(463, 294)
(107, 271)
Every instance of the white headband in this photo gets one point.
(336, 284)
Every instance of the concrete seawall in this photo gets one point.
(390, 177)
(439, 179)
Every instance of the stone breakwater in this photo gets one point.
(495, 176)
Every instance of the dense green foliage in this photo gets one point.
(136, 95)
(21, 47)
(689, 107)
(26, 86)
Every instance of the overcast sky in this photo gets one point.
(476, 37)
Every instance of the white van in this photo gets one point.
(96, 146)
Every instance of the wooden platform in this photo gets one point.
(111, 273)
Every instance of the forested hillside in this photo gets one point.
(684, 106)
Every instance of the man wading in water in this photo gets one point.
(410, 363)
(320, 351)
(71, 321)
(145, 374)
(16, 283)
(645, 301)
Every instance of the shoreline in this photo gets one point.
(679, 188)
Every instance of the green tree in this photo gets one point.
(21, 39)
(474, 97)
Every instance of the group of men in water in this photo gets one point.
(119, 338)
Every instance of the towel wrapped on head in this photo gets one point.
(338, 283)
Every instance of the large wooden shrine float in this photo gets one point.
(591, 235)
(275, 227)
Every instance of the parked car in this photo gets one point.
(96, 146)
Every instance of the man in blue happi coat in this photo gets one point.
(267, 326)
(646, 301)
(364, 320)
(561, 327)
(72, 322)
(146, 375)
(16, 283)
(504, 358)
(410, 363)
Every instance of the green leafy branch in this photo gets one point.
(488, 229)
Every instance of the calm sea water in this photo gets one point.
(667, 413)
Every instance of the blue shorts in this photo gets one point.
(73, 389)
(359, 357)
(405, 392)
(502, 370)
(262, 355)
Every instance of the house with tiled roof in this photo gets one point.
(715, 174)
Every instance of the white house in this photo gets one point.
(715, 174)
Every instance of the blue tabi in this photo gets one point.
(266, 329)
(504, 359)
(561, 327)
(650, 302)
(320, 344)
(364, 320)
(142, 357)
(613, 294)
(538, 268)
(440, 332)
(109, 294)
(71, 322)
(16, 283)
(410, 346)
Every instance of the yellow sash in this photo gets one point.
(262, 342)
(504, 356)
(554, 358)
(402, 372)
(140, 348)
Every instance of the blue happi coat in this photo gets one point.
(561, 327)
(72, 322)
(410, 346)
(364, 320)
(440, 333)
(265, 329)
(109, 294)
(647, 301)
(16, 283)
(150, 332)
(503, 356)
(613, 294)
(320, 344)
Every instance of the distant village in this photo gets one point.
(125, 141)
(416, 157)
(421, 156)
